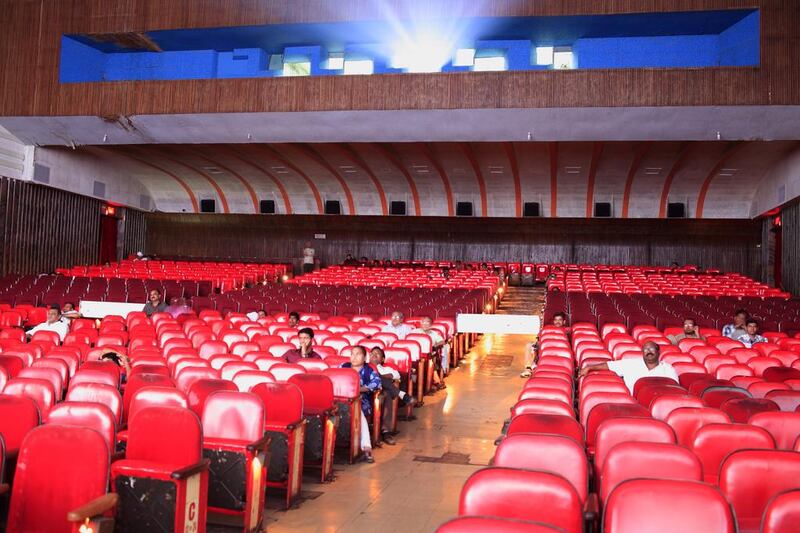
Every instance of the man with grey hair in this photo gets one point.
(397, 326)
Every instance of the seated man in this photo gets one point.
(53, 323)
(751, 337)
(632, 370)
(178, 307)
(390, 384)
(690, 331)
(532, 348)
(294, 319)
(737, 328)
(397, 326)
(370, 382)
(69, 313)
(437, 343)
(121, 360)
(155, 303)
(253, 316)
(305, 351)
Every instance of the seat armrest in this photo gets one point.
(96, 507)
(260, 444)
(191, 470)
(592, 509)
(297, 424)
(332, 411)
(117, 456)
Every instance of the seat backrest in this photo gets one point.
(92, 375)
(233, 415)
(606, 411)
(713, 442)
(156, 396)
(783, 513)
(685, 421)
(202, 388)
(39, 390)
(18, 415)
(741, 409)
(667, 506)
(59, 469)
(247, 379)
(662, 406)
(750, 478)
(787, 400)
(547, 424)
(554, 453)
(98, 393)
(47, 374)
(317, 392)
(166, 435)
(616, 430)
(784, 427)
(588, 402)
(188, 376)
(346, 382)
(656, 460)
(500, 492)
(716, 396)
(86, 414)
(283, 402)
(480, 524)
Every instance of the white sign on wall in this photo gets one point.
(521, 324)
(91, 309)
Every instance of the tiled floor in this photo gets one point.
(397, 493)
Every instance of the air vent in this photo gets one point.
(531, 209)
(267, 207)
(333, 207)
(348, 169)
(212, 170)
(676, 210)
(572, 170)
(99, 189)
(397, 208)
(652, 171)
(41, 173)
(208, 206)
(464, 209)
(602, 209)
(494, 169)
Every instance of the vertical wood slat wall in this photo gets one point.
(790, 260)
(133, 232)
(42, 228)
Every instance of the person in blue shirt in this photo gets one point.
(370, 382)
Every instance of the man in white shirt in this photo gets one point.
(308, 258)
(397, 327)
(751, 337)
(390, 385)
(53, 323)
(632, 370)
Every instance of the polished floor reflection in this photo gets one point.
(403, 490)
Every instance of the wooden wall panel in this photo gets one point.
(42, 228)
(790, 259)
(36, 91)
(730, 245)
(132, 233)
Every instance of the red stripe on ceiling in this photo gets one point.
(634, 168)
(241, 157)
(244, 182)
(476, 168)
(277, 155)
(351, 155)
(683, 153)
(730, 151)
(552, 148)
(316, 156)
(184, 186)
(448, 192)
(512, 159)
(392, 157)
(597, 152)
(222, 199)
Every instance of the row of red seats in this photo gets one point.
(669, 457)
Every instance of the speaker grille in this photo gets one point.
(267, 207)
(676, 210)
(531, 209)
(464, 209)
(602, 209)
(397, 208)
(333, 207)
(208, 206)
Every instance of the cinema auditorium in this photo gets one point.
(400, 266)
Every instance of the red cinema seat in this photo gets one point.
(200, 390)
(49, 489)
(760, 389)
(784, 427)
(247, 379)
(713, 442)
(608, 411)
(498, 492)
(667, 506)
(39, 390)
(662, 406)
(98, 393)
(235, 444)
(779, 373)
(546, 424)
(136, 382)
(18, 415)
(732, 371)
(163, 462)
(47, 374)
(740, 410)
(189, 375)
(285, 426)
(91, 375)
(751, 478)
(685, 421)
(588, 402)
(88, 415)
(346, 396)
(59, 365)
(716, 396)
(787, 400)
(762, 364)
(319, 410)
(558, 455)
(616, 430)
(481, 524)
(285, 371)
(654, 460)
(783, 513)
(541, 406)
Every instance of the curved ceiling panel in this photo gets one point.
(638, 178)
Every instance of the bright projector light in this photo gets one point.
(424, 55)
